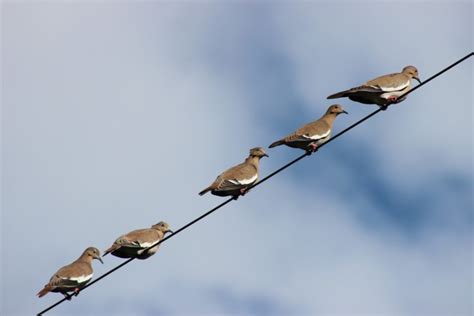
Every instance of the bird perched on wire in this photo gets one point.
(134, 244)
(313, 134)
(74, 276)
(236, 180)
(382, 90)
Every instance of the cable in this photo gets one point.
(260, 182)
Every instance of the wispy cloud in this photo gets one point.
(116, 115)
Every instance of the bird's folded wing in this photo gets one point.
(312, 131)
(369, 89)
(244, 181)
(72, 274)
(316, 136)
(390, 83)
(238, 176)
(78, 279)
(295, 138)
(228, 185)
(140, 238)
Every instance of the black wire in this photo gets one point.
(261, 181)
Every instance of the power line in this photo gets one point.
(261, 181)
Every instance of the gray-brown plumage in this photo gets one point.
(74, 276)
(313, 134)
(382, 90)
(236, 180)
(133, 244)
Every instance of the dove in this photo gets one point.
(236, 180)
(313, 134)
(74, 276)
(133, 244)
(382, 90)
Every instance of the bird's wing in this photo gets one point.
(390, 83)
(355, 90)
(237, 177)
(140, 238)
(72, 274)
(310, 132)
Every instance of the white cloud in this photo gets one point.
(117, 115)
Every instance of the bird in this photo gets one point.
(134, 244)
(382, 90)
(236, 180)
(313, 134)
(73, 277)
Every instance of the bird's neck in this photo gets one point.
(252, 160)
(329, 118)
(160, 233)
(85, 258)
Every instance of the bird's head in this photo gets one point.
(93, 253)
(411, 72)
(336, 109)
(162, 227)
(258, 152)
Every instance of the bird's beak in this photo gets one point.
(169, 231)
(265, 155)
(100, 259)
(417, 79)
(344, 111)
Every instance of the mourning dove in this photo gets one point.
(313, 134)
(382, 90)
(74, 276)
(236, 180)
(133, 244)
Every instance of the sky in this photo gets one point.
(116, 114)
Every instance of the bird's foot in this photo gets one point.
(76, 291)
(312, 148)
(67, 296)
(392, 99)
(243, 191)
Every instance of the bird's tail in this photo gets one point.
(107, 252)
(209, 188)
(111, 249)
(341, 94)
(277, 143)
(47, 288)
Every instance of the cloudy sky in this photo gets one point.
(114, 116)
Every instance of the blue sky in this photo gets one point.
(114, 116)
